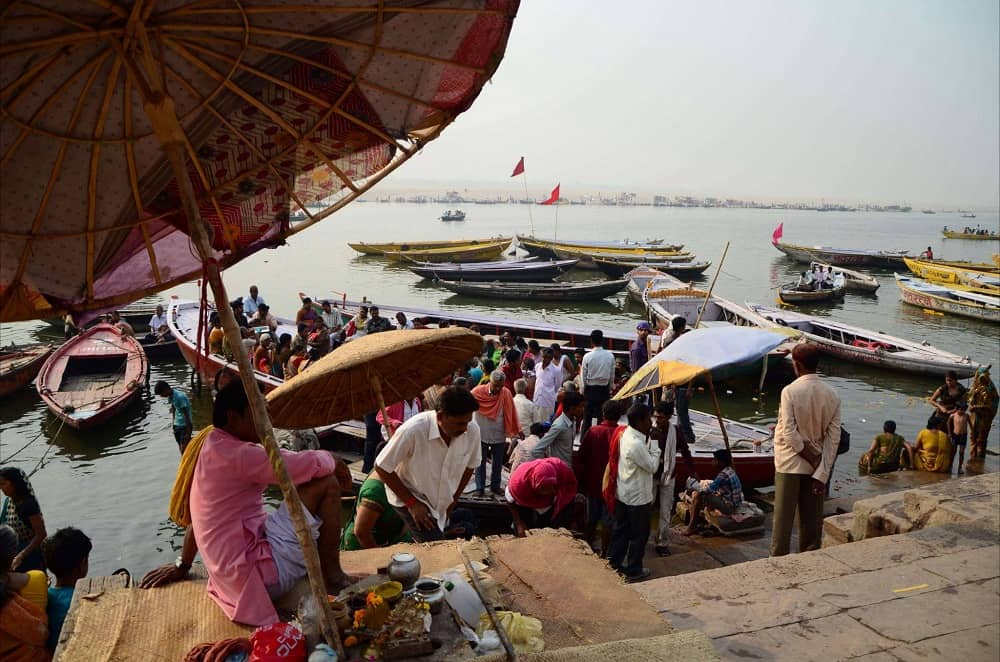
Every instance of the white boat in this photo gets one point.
(641, 278)
(874, 348)
(930, 296)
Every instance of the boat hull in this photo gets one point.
(806, 255)
(948, 234)
(976, 281)
(466, 253)
(945, 305)
(528, 272)
(381, 249)
(617, 269)
(85, 397)
(19, 367)
(546, 248)
(536, 291)
(816, 296)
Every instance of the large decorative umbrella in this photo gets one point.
(696, 354)
(366, 373)
(148, 142)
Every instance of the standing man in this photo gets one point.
(632, 462)
(497, 421)
(589, 463)
(805, 445)
(558, 441)
(527, 413)
(670, 439)
(252, 303)
(638, 353)
(512, 369)
(597, 373)
(548, 379)
(428, 462)
(180, 408)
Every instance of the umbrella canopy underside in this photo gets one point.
(341, 385)
(284, 107)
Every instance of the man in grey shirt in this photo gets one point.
(598, 374)
(558, 441)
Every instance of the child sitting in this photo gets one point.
(67, 555)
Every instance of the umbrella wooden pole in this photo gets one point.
(377, 389)
(708, 295)
(718, 414)
(174, 151)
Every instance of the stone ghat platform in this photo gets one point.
(932, 592)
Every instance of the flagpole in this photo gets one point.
(531, 218)
(555, 232)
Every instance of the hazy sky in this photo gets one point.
(858, 100)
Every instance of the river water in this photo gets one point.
(114, 483)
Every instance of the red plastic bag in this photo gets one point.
(278, 642)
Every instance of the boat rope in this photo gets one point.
(52, 442)
(10, 457)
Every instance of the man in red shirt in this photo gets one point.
(589, 464)
(512, 369)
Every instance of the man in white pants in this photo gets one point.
(671, 440)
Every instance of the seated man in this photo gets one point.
(885, 452)
(428, 462)
(724, 494)
(67, 555)
(253, 557)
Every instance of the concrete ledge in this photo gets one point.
(837, 530)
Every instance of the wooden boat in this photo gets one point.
(548, 248)
(530, 269)
(788, 293)
(382, 249)
(866, 347)
(20, 365)
(986, 267)
(959, 279)
(453, 215)
(943, 299)
(460, 253)
(990, 236)
(618, 268)
(842, 256)
(159, 351)
(93, 376)
(537, 291)
(665, 303)
(854, 281)
(752, 447)
(642, 278)
(137, 314)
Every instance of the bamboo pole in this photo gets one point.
(531, 217)
(161, 111)
(377, 388)
(718, 414)
(708, 295)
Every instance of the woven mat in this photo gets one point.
(135, 624)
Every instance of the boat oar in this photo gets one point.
(708, 295)
(718, 414)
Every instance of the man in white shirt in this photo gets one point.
(598, 373)
(527, 412)
(636, 462)
(548, 379)
(429, 461)
(158, 323)
(805, 445)
(404, 324)
(252, 303)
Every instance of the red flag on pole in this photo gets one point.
(554, 197)
(519, 168)
(778, 232)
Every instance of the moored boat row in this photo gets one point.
(930, 296)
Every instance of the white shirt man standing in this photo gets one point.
(548, 379)
(805, 446)
(598, 374)
(637, 461)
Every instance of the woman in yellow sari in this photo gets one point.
(932, 451)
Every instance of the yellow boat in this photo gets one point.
(464, 253)
(382, 249)
(951, 234)
(986, 267)
(959, 279)
(548, 248)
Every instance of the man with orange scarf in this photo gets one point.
(497, 420)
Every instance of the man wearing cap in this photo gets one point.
(638, 353)
(597, 374)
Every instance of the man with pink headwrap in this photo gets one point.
(538, 494)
